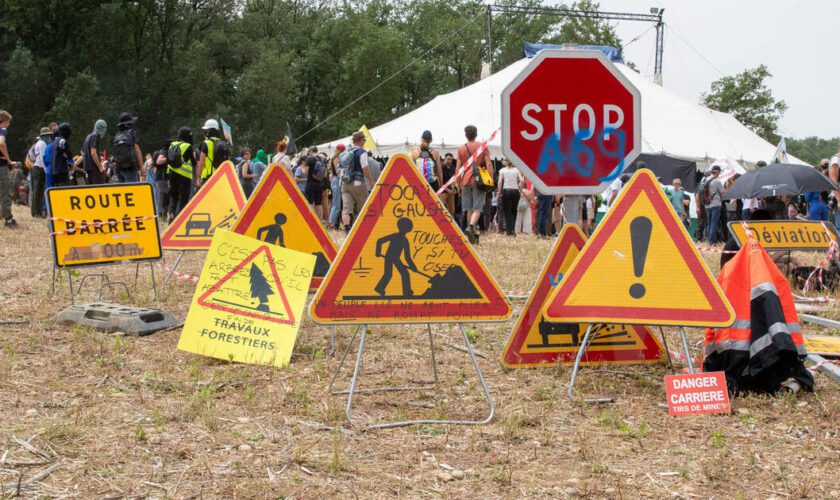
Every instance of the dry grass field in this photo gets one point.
(112, 416)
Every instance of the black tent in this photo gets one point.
(668, 168)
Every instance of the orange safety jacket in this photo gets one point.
(764, 346)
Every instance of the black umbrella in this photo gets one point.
(779, 179)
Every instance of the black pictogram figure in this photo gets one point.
(260, 288)
(273, 232)
(398, 246)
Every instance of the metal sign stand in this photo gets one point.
(174, 267)
(105, 283)
(584, 345)
(356, 372)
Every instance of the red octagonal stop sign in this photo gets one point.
(571, 121)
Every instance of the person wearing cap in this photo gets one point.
(354, 192)
(37, 176)
(714, 207)
(213, 151)
(427, 160)
(91, 160)
(128, 158)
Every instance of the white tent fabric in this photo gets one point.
(671, 124)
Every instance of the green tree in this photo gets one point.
(77, 104)
(812, 149)
(260, 288)
(748, 99)
(24, 82)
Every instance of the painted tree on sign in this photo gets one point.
(260, 288)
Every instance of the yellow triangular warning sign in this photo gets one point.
(537, 342)
(406, 261)
(277, 213)
(640, 267)
(214, 206)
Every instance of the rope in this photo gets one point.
(83, 224)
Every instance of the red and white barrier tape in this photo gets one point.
(822, 299)
(715, 250)
(816, 367)
(474, 158)
(83, 224)
(183, 276)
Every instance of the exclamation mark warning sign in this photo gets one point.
(640, 229)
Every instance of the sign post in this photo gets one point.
(571, 122)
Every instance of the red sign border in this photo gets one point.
(643, 182)
(202, 301)
(277, 173)
(226, 170)
(498, 307)
(570, 235)
(569, 54)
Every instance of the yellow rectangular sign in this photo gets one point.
(787, 234)
(823, 345)
(249, 301)
(101, 224)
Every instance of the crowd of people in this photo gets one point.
(337, 186)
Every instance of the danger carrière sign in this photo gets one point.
(697, 394)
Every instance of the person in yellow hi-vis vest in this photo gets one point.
(213, 151)
(181, 161)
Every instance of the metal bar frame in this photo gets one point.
(387, 425)
(174, 267)
(584, 345)
(590, 14)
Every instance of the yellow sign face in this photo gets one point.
(640, 267)
(537, 342)
(215, 206)
(823, 345)
(406, 261)
(249, 301)
(787, 234)
(103, 223)
(277, 213)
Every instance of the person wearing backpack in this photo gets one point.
(427, 161)
(180, 159)
(61, 159)
(128, 158)
(354, 171)
(213, 151)
(472, 198)
(90, 154)
(37, 176)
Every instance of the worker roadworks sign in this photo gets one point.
(278, 214)
(697, 394)
(215, 206)
(640, 267)
(534, 341)
(406, 261)
(103, 223)
(248, 302)
(787, 234)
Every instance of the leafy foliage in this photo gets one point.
(748, 99)
(325, 65)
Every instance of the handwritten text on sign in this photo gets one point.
(697, 394)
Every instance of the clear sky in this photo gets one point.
(708, 39)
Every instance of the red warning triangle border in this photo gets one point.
(226, 170)
(570, 236)
(203, 300)
(327, 309)
(642, 183)
(277, 174)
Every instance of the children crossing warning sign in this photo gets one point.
(534, 341)
(640, 267)
(214, 206)
(248, 302)
(406, 261)
(278, 214)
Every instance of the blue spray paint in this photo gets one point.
(551, 153)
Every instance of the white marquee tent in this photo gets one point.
(671, 124)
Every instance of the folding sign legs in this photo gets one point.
(174, 267)
(667, 351)
(687, 350)
(581, 351)
(354, 380)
